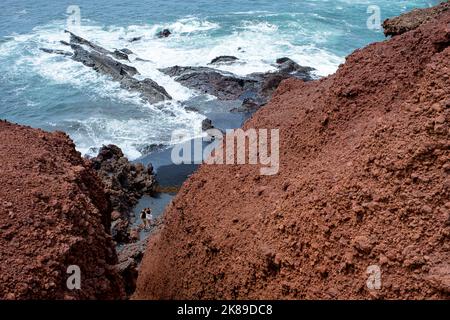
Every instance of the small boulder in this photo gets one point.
(223, 60)
(164, 33)
(207, 124)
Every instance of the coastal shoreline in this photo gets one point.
(363, 185)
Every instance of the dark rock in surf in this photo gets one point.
(55, 51)
(221, 84)
(124, 182)
(134, 39)
(152, 148)
(254, 90)
(207, 124)
(164, 33)
(413, 19)
(224, 60)
(191, 108)
(120, 55)
(103, 63)
(74, 39)
(150, 90)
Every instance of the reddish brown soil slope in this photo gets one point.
(364, 180)
(53, 213)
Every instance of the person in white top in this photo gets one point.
(147, 217)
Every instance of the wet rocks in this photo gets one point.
(221, 84)
(254, 90)
(126, 51)
(207, 124)
(164, 33)
(119, 54)
(54, 51)
(125, 183)
(130, 257)
(152, 148)
(53, 214)
(103, 63)
(135, 39)
(439, 278)
(249, 105)
(353, 211)
(224, 60)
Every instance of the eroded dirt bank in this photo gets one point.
(364, 180)
(53, 214)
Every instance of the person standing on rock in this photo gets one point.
(147, 217)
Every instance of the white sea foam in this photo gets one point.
(134, 134)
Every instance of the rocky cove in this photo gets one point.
(309, 232)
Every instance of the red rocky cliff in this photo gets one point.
(53, 214)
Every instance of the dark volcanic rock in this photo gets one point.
(223, 85)
(223, 59)
(126, 51)
(256, 87)
(134, 39)
(53, 214)
(120, 230)
(152, 148)
(191, 108)
(248, 105)
(149, 89)
(74, 39)
(60, 52)
(164, 33)
(413, 19)
(288, 66)
(99, 60)
(207, 124)
(371, 187)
